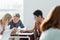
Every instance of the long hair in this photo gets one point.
(53, 19)
(5, 19)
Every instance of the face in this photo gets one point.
(16, 19)
(38, 19)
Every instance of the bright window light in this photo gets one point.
(12, 7)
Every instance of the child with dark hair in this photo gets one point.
(38, 16)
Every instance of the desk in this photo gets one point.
(30, 36)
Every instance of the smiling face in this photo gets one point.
(16, 19)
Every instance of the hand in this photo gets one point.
(22, 31)
(14, 30)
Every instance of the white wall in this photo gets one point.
(31, 5)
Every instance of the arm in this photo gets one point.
(21, 24)
(28, 30)
(31, 30)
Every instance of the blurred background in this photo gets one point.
(26, 9)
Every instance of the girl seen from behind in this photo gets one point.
(50, 27)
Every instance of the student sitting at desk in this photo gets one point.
(38, 16)
(15, 23)
(3, 23)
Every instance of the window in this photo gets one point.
(12, 7)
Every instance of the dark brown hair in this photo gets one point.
(53, 21)
(38, 13)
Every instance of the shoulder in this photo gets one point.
(50, 34)
(51, 31)
(20, 22)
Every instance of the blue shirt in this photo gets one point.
(18, 24)
(50, 34)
